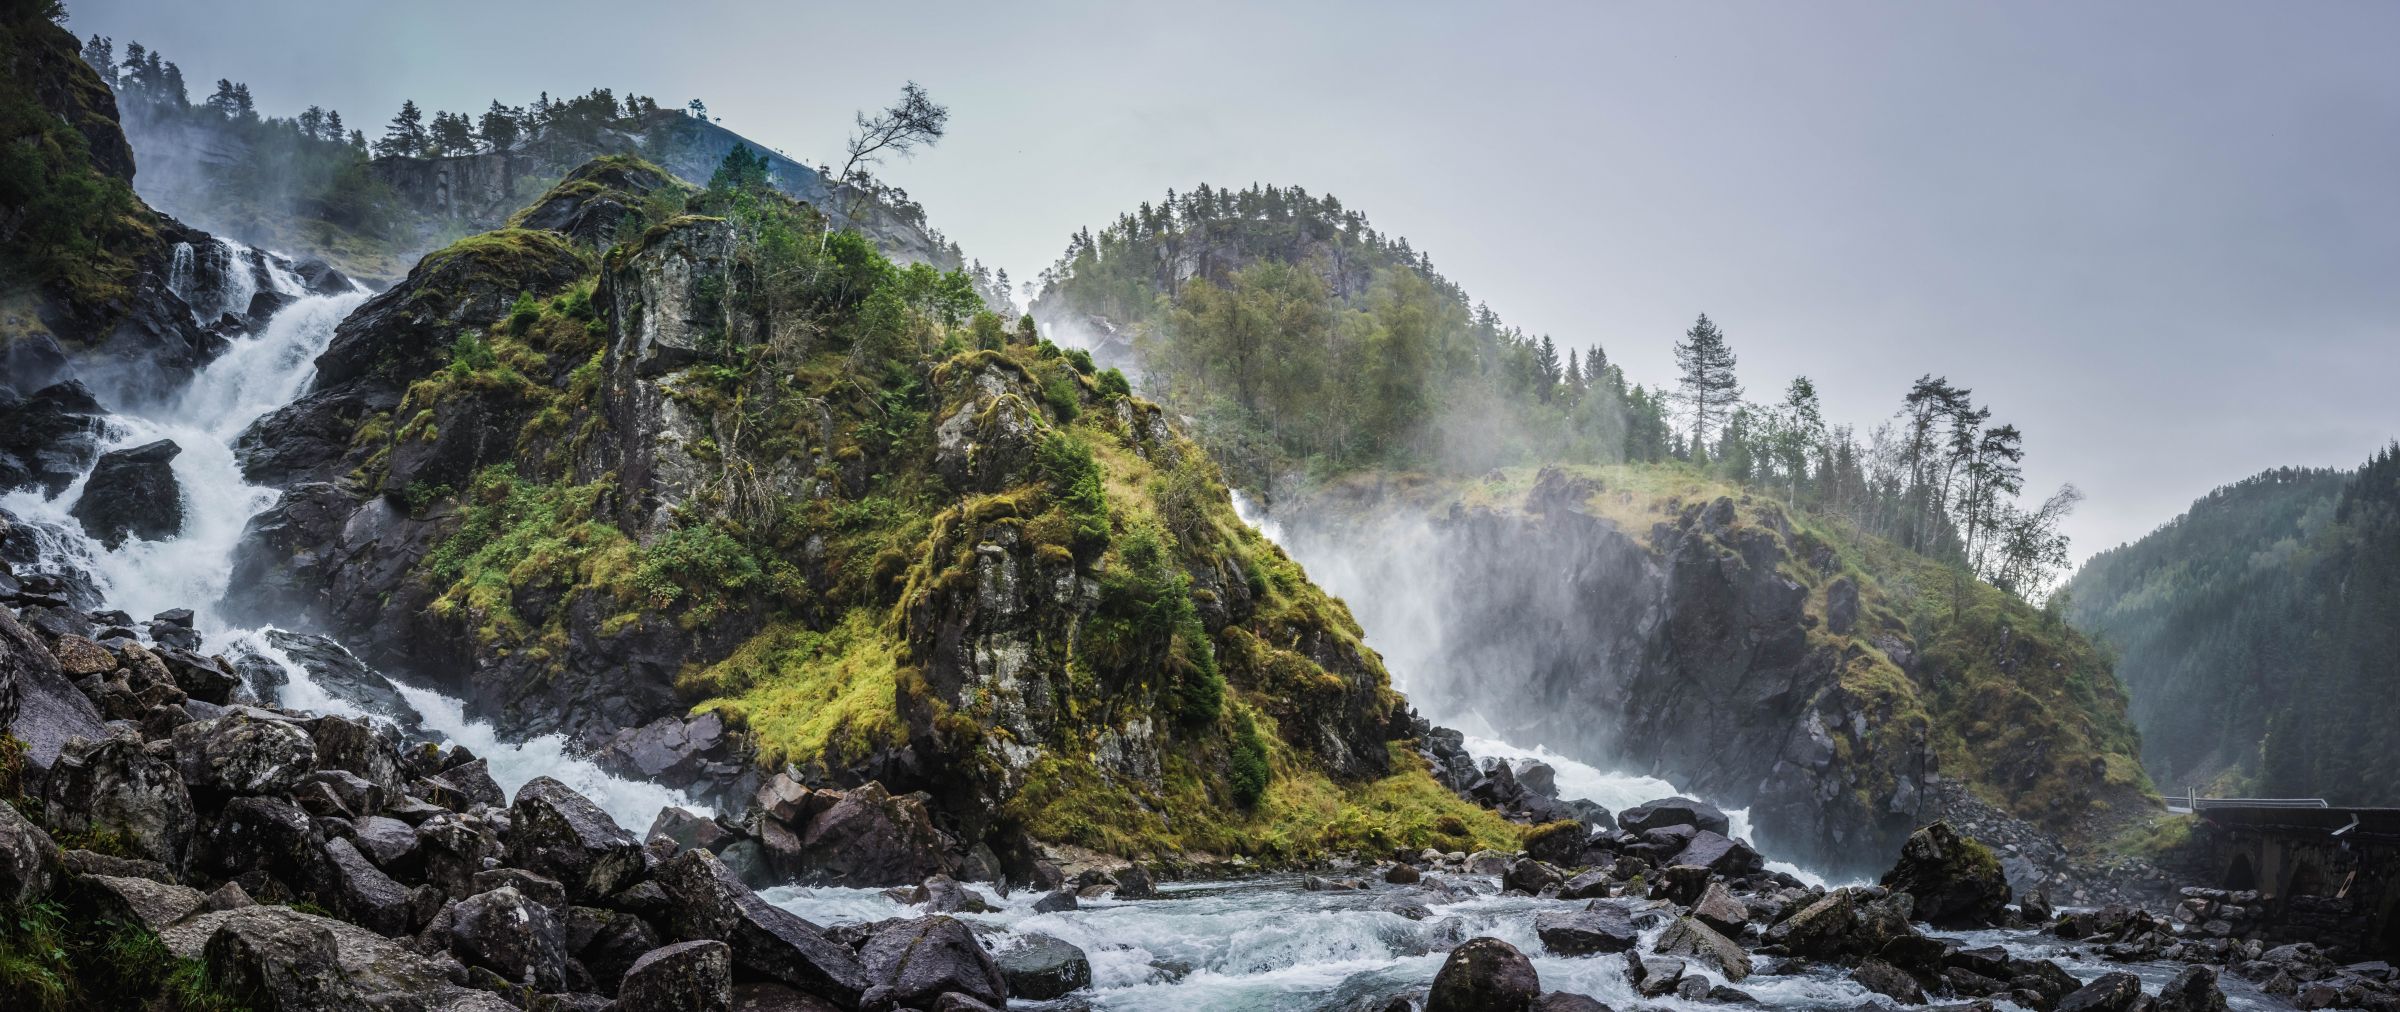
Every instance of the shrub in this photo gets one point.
(702, 566)
(1113, 384)
(471, 354)
(1060, 393)
(1249, 771)
(1066, 464)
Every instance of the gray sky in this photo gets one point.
(2163, 239)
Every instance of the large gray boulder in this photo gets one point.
(363, 893)
(1954, 880)
(917, 961)
(559, 833)
(1039, 968)
(37, 703)
(28, 860)
(1693, 940)
(132, 494)
(281, 964)
(240, 753)
(272, 942)
(1485, 975)
(113, 786)
(511, 935)
(138, 901)
(692, 976)
(705, 900)
(1599, 927)
(1678, 811)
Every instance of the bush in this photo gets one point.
(1249, 771)
(522, 315)
(1066, 464)
(471, 354)
(701, 566)
(1113, 384)
(1059, 392)
(1081, 360)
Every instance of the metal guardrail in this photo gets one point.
(2193, 802)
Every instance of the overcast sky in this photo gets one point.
(2163, 239)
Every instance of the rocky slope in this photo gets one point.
(713, 471)
(1841, 689)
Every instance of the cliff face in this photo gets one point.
(1747, 654)
(93, 281)
(599, 488)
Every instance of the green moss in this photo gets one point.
(515, 533)
(804, 694)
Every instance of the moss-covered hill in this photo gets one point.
(1839, 685)
(713, 457)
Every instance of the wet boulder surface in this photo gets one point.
(132, 493)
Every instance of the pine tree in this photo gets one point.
(406, 134)
(1709, 389)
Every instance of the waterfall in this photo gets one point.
(1577, 780)
(262, 371)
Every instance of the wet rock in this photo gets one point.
(607, 942)
(462, 787)
(242, 754)
(343, 676)
(1600, 927)
(677, 830)
(1718, 908)
(1402, 874)
(1955, 882)
(275, 942)
(922, 959)
(1484, 975)
(2112, 992)
(870, 838)
(705, 900)
(206, 679)
(1561, 1001)
(1718, 854)
(363, 894)
(1653, 976)
(557, 832)
(2194, 989)
(767, 996)
(1677, 811)
(1134, 884)
(1888, 980)
(1691, 939)
(1059, 900)
(49, 438)
(455, 849)
(508, 933)
(1531, 876)
(694, 976)
(1588, 885)
(132, 493)
(942, 894)
(1040, 968)
(37, 702)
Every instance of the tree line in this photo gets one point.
(1300, 338)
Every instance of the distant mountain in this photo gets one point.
(2259, 635)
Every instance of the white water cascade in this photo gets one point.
(263, 371)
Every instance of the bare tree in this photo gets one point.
(913, 120)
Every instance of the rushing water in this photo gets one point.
(262, 371)
(1257, 944)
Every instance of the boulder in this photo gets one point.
(1538, 778)
(1694, 940)
(1530, 876)
(1561, 1001)
(1057, 901)
(2112, 992)
(360, 748)
(1954, 881)
(2194, 989)
(942, 894)
(242, 754)
(922, 959)
(608, 942)
(1040, 968)
(453, 849)
(1653, 976)
(363, 894)
(868, 837)
(1594, 884)
(132, 493)
(462, 787)
(1678, 811)
(114, 786)
(267, 835)
(1134, 884)
(508, 933)
(695, 976)
(282, 964)
(559, 833)
(1402, 874)
(206, 679)
(705, 900)
(139, 901)
(28, 860)
(1888, 980)
(678, 829)
(1599, 927)
(343, 676)
(270, 942)
(49, 438)
(1484, 975)
(1720, 909)
(37, 703)
(1718, 854)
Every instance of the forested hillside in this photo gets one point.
(1305, 344)
(2257, 634)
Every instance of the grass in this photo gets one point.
(804, 694)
